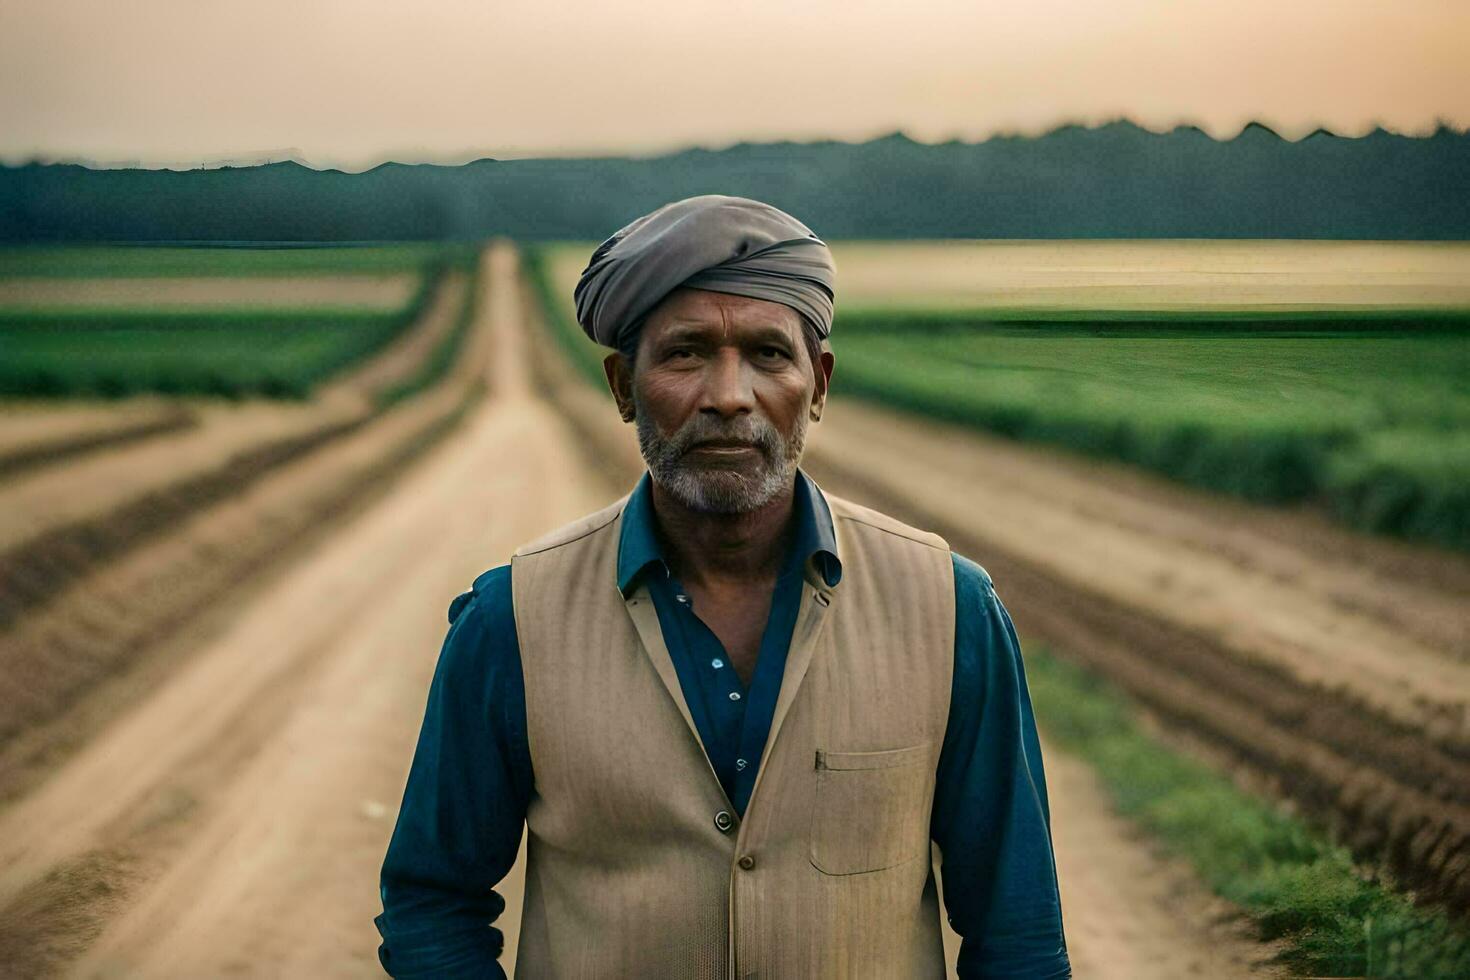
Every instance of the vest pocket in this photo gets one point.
(871, 809)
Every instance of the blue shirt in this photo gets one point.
(463, 813)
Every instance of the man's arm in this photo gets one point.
(459, 828)
(991, 818)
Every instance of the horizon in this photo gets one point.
(347, 84)
(295, 156)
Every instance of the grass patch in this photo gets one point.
(585, 355)
(444, 354)
(1408, 482)
(1293, 882)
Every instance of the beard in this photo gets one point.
(720, 487)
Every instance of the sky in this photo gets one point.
(351, 83)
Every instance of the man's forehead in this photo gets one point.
(676, 332)
(689, 309)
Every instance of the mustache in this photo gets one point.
(757, 432)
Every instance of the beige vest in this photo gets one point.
(629, 872)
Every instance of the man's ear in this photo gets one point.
(825, 363)
(620, 382)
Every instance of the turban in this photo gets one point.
(725, 244)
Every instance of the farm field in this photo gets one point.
(1332, 373)
(1372, 426)
(122, 519)
(1195, 275)
(104, 500)
(218, 799)
(238, 327)
(216, 641)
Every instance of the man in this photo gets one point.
(731, 709)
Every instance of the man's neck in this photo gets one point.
(707, 549)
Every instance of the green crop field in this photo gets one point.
(280, 355)
(1361, 407)
(1372, 422)
(231, 351)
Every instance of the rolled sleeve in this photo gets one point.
(463, 812)
(992, 819)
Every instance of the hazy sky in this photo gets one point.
(352, 82)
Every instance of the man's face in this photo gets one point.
(722, 391)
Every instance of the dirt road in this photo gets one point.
(233, 821)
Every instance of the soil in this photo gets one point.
(34, 433)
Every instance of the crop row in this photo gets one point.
(230, 352)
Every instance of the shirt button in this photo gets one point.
(741, 763)
(717, 663)
(747, 862)
(682, 597)
(724, 821)
(734, 695)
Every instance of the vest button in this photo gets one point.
(747, 862)
(724, 821)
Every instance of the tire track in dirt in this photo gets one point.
(46, 502)
(34, 434)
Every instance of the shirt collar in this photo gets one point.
(815, 541)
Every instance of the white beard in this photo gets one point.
(718, 489)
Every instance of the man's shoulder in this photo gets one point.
(970, 574)
(574, 530)
(855, 514)
(490, 594)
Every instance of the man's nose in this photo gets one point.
(727, 385)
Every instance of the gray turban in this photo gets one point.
(725, 244)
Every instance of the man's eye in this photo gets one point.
(773, 352)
